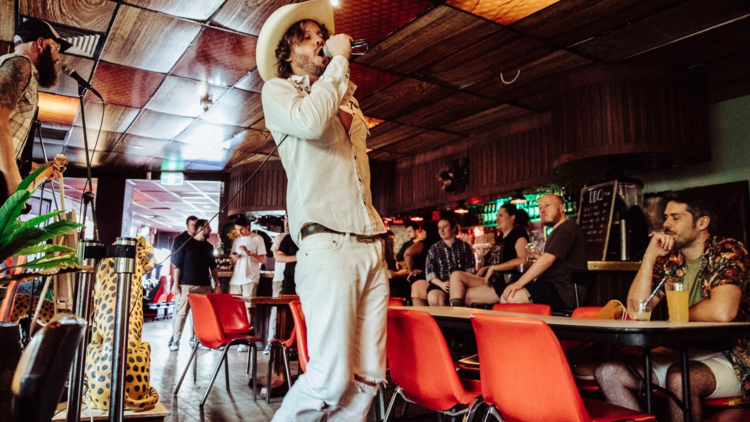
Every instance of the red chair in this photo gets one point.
(300, 331)
(232, 313)
(524, 308)
(582, 312)
(731, 415)
(207, 326)
(521, 354)
(396, 301)
(422, 368)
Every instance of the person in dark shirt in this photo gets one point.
(195, 266)
(183, 237)
(412, 229)
(548, 279)
(287, 253)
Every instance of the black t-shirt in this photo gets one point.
(196, 261)
(504, 250)
(288, 247)
(178, 241)
(567, 244)
(402, 251)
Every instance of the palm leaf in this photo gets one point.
(33, 222)
(49, 261)
(11, 209)
(20, 239)
(44, 248)
(35, 274)
(24, 185)
(58, 228)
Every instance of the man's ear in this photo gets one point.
(39, 44)
(703, 222)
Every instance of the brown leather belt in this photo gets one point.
(315, 228)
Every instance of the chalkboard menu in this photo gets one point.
(595, 218)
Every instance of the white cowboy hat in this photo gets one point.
(320, 11)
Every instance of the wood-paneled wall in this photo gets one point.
(265, 192)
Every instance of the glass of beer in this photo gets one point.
(639, 309)
(678, 298)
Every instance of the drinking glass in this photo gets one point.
(678, 298)
(639, 309)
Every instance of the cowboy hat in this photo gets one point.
(320, 11)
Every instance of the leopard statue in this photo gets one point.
(139, 394)
(21, 309)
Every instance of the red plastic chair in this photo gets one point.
(232, 313)
(207, 326)
(524, 308)
(396, 301)
(422, 368)
(731, 415)
(519, 355)
(300, 331)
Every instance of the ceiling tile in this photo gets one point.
(437, 34)
(236, 107)
(672, 24)
(182, 96)
(571, 21)
(76, 156)
(125, 161)
(375, 20)
(7, 21)
(57, 109)
(138, 145)
(181, 152)
(372, 122)
(151, 124)
(537, 101)
(196, 10)
(106, 140)
(218, 57)
(425, 141)
(165, 164)
(370, 80)
(252, 82)
(247, 16)
(446, 109)
(148, 40)
(485, 120)
(200, 166)
(402, 97)
(116, 118)
(207, 135)
(125, 86)
(504, 12)
(66, 85)
(504, 51)
(251, 141)
(391, 132)
(383, 155)
(93, 15)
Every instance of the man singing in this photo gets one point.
(341, 274)
(32, 64)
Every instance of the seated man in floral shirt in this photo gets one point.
(716, 272)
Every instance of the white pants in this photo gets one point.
(246, 290)
(343, 287)
(276, 286)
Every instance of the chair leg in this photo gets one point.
(403, 409)
(381, 399)
(474, 407)
(269, 381)
(195, 365)
(287, 369)
(216, 372)
(396, 393)
(254, 370)
(492, 410)
(226, 370)
(192, 359)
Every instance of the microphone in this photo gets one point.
(355, 44)
(78, 78)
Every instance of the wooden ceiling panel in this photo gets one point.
(165, 164)
(425, 141)
(207, 135)
(151, 124)
(93, 15)
(251, 82)
(196, 10)
(66, 85)
(106, 142)
(374, 20)
(182, 96)
(57, 109)
(391, 132)
(148, 40)
(706, 47)
(484, 121)
(116, 118)
(727, 79)
(7, 21)
(261, 125)
(370, 80)
(181, 152)
(138, 145)
(537, 101)
(125, 86)
(236, 107)
(403, 96)
(219, 57)
(77, 156)
(672, 24)
(505, 51)
(252, 141)
(447, 109)
(439, 33)
(571, 21)
(383, 155)
(125, 161)
(205, 166)
(504, 12)
(247, 16)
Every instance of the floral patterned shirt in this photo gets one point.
(725, 261)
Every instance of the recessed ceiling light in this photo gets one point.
(137, 146)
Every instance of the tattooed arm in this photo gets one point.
(14, 76)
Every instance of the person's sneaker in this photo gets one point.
(242, 348)
(171, 340)
(175, 346)
(267, 350)
(192, 342)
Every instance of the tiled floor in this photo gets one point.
(221, 405)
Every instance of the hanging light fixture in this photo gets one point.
(416, 218)
(461, 208)
(518, 198)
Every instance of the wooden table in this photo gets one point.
(648, 335)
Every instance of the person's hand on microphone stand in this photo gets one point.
(340, 45)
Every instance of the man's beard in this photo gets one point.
(305, 63)
(46, 68)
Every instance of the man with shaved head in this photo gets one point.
(548, 279)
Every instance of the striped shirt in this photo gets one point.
(442, 259)
(23, 114)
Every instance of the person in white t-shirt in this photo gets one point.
(248, 253)
(278, 278)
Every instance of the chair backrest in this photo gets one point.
(524, 371)
(395, 301)
(300, 330)
(524, 308)
(40, 376)
(420, 361)
(232, 313)
(586, 312)
(206, 322)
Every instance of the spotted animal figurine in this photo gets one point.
(139, 394)
(21, 309)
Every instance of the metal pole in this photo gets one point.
(89, 253)
(123, 251)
